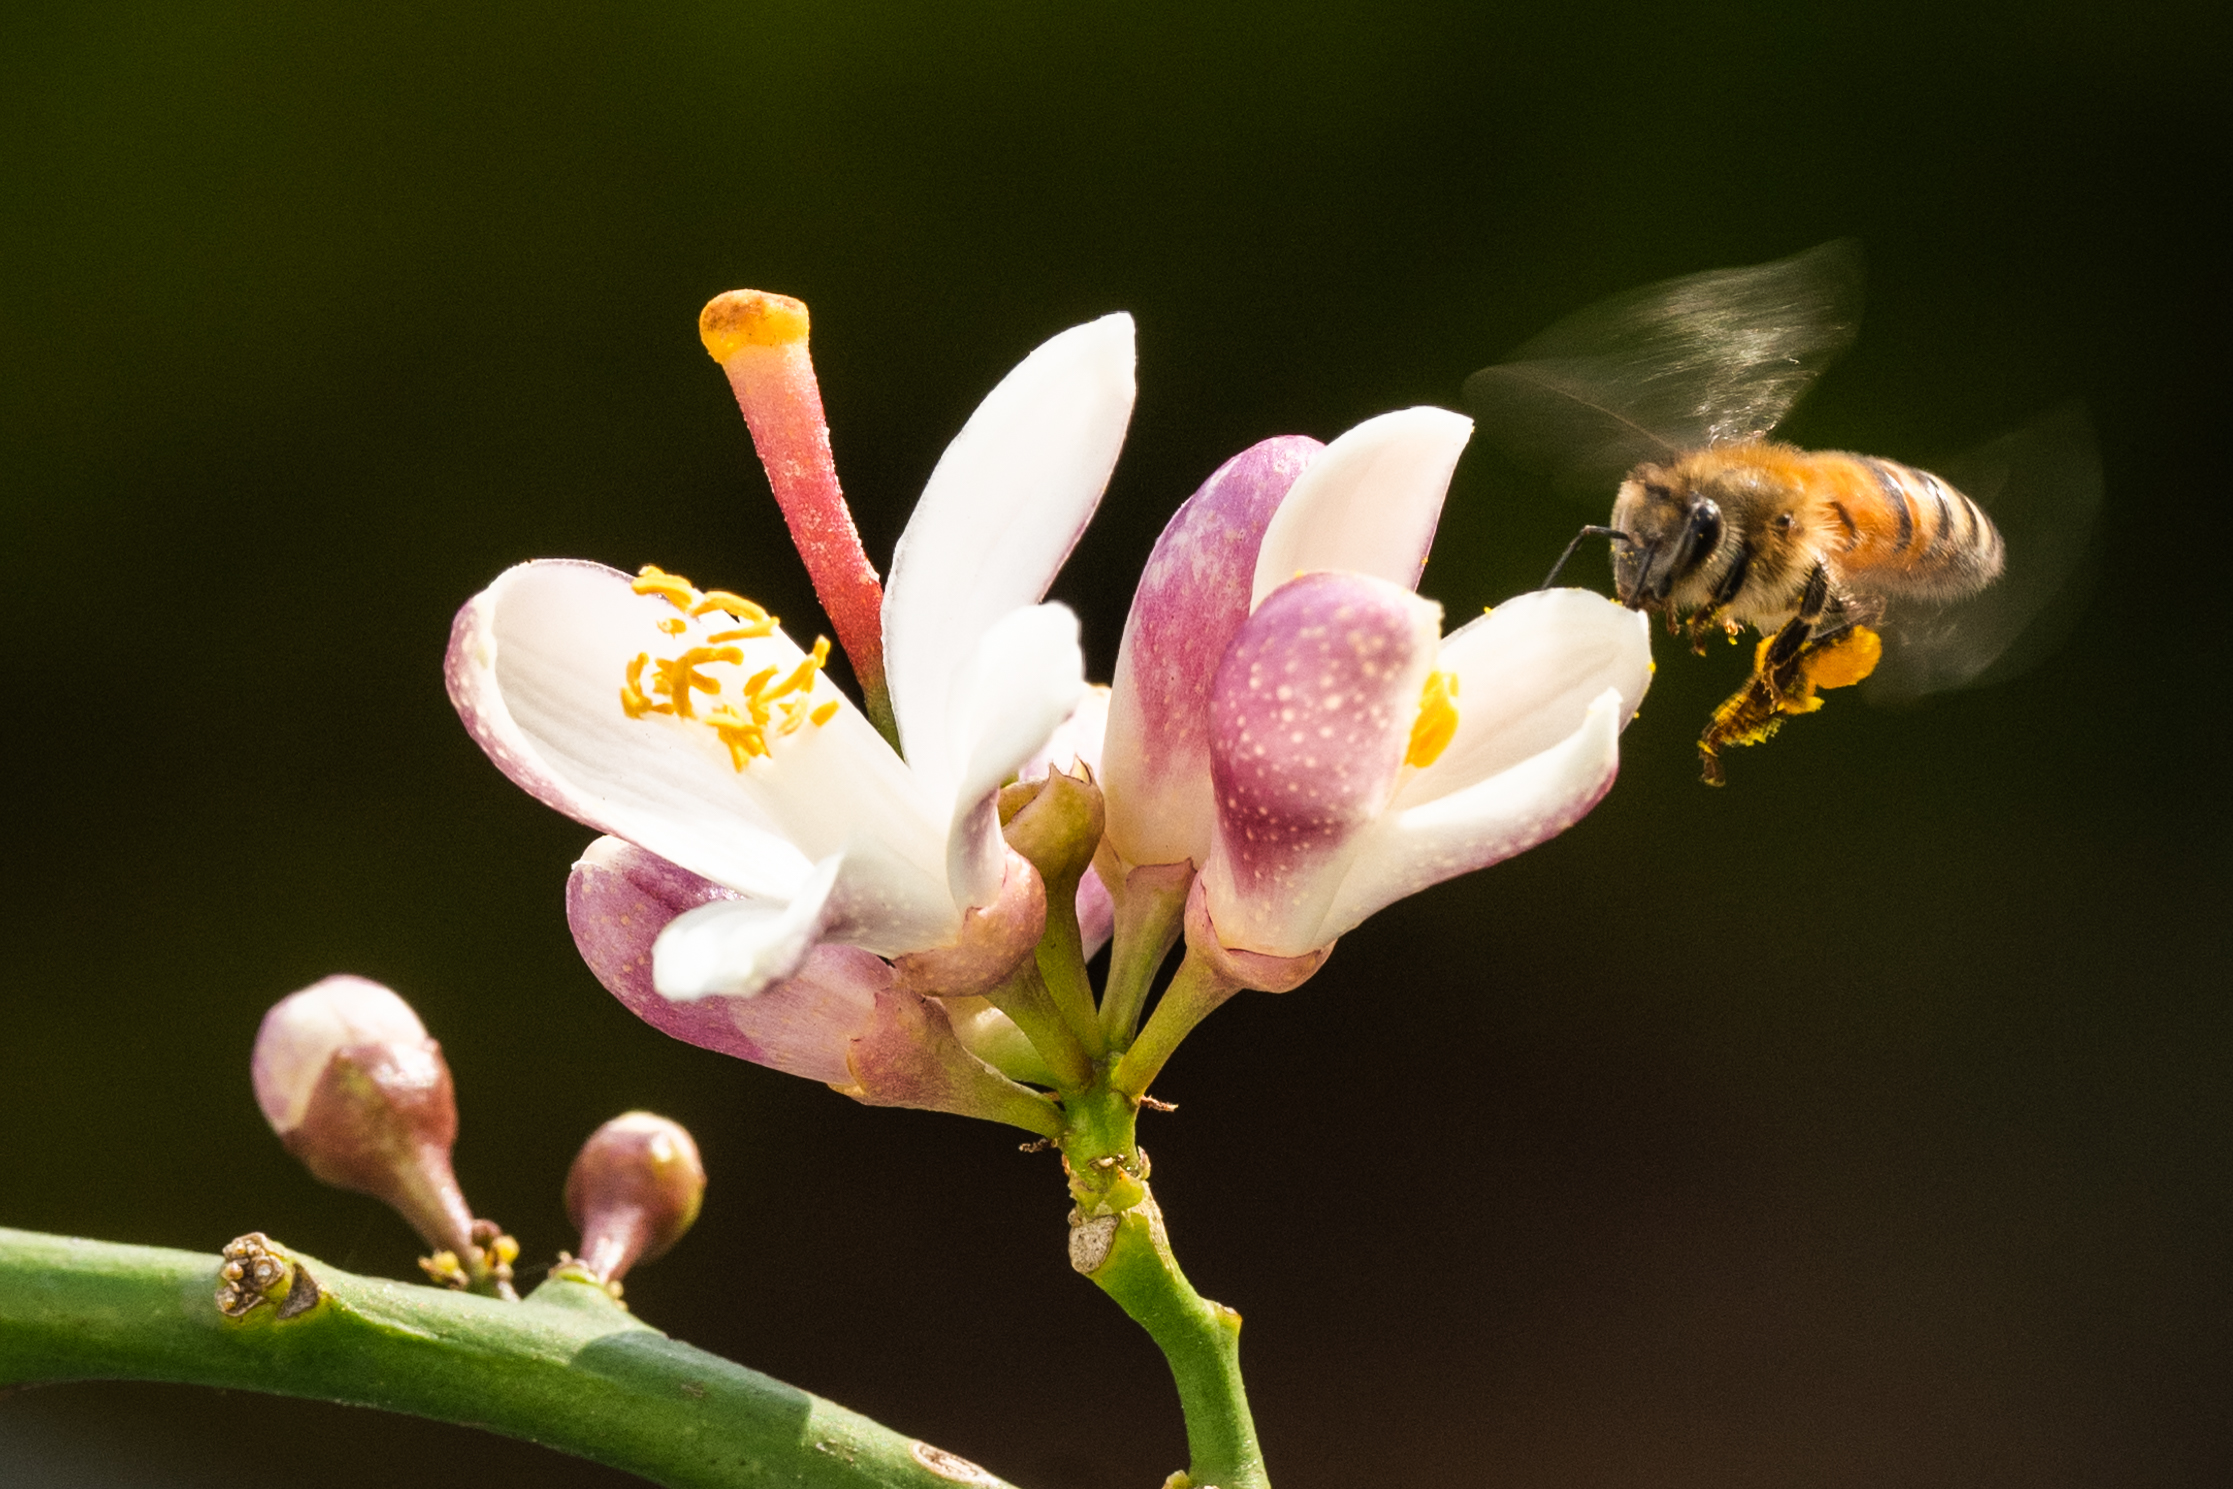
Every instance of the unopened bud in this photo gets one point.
(634, 1189)
(349, 1079)
(1055, 821)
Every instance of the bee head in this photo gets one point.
(1672, 529)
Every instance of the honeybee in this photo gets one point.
(1849, 566)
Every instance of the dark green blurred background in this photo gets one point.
(1864, 1124)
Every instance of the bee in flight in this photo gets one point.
(1847, 565)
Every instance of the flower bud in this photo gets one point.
(632, 1192)
(348, 1078)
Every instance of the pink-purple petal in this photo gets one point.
(619, 898)
(1191, 600)
(1311, 714)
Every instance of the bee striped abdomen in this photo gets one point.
(1905, 531)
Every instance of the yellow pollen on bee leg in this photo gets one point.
(673, 588)
(1437, 723)
(1847, 660)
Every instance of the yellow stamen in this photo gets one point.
(673, 588)
(737, 605)
(745, 727)
(633, 700)
(802, 676)
(743, 318)
(1437, 723)
(678, 677)
(743, 737)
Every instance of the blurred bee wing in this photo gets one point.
(2041, 486)
(1701, 360)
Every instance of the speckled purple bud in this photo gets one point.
(1192, 598)
(1311, 714)
(619, 898)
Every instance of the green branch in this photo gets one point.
(569, 1368)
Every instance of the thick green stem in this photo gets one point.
(1197, 990)
(1117, 1238)
(1199, 1338)
(569, 1368)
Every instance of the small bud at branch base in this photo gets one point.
(633, 1191)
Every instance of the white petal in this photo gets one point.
(738, 947)
(1527, 672)
(1507, 813)
(1000, 515)
(1024, 678)
(1369, 502)
(1077, 741)
(536, 666)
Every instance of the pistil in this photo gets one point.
(760, 340)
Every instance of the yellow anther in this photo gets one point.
(751, 632)
(802, 676)
(1437, 723)
(744, 738)
(759, 680)
(674, 625)
(633, 701)
(824, 714)
(679, 676)
(673, 588)
(743, 318)
(737, 605)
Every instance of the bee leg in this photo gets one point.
(1756, 710)
(1787, 672)
(1778, 685)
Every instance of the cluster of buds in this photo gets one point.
(355, 1087)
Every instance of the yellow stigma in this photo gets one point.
(1437, 723)
(743, 318)
(772, 701)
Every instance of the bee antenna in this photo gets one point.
(1588, 532)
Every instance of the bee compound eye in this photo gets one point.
(1701, 536)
